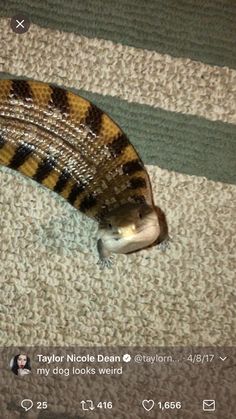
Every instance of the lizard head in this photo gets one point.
(130, 228)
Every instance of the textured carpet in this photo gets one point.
(173, 92)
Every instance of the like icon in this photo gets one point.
(148, 404)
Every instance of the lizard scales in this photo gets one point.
(70, 146)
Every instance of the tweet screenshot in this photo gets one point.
(117, 209)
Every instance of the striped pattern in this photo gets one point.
(97, 181)
(75, 192)
(21, 154)
(44, 169)
(192, 144)
(160, 81)
(132, 167)
(94, 119)
(61, 182)
(165, 72)
(59, 99)
(118, 144)
(21, 90)
(2, 141)
(202, 31)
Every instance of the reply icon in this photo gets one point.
(27, 404)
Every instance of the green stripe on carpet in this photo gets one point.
(202, 30)
(132, 74)
(182, 143)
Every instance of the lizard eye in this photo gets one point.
(140, 216)
(110, 225)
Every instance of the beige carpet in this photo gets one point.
(57, 295)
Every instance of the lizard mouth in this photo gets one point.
(130, 238)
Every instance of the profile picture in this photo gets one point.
(20, 365)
